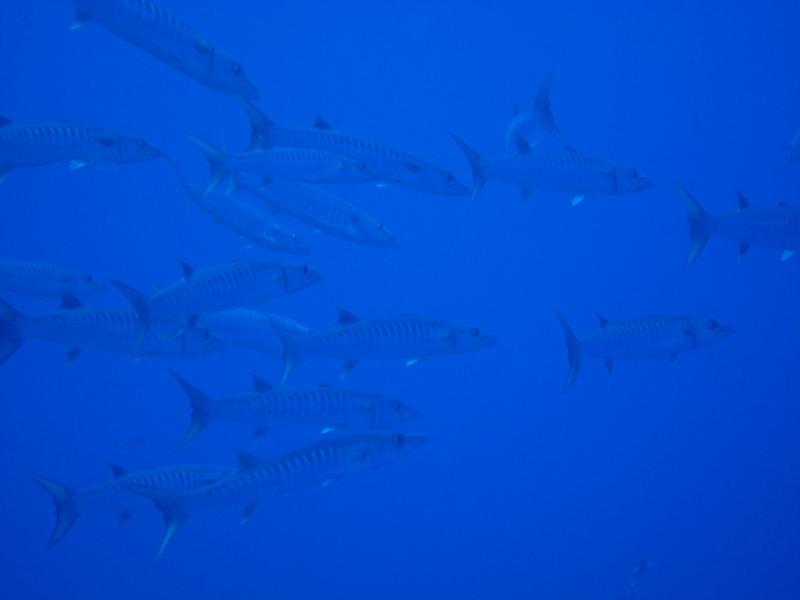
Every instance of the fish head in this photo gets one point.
(386, 448)
(229, 76)
(127, 148)
(630, 181)
(299, 277)
(470, 339)
(708, 331)
(80, 284)
(391, 412)
(371, 231)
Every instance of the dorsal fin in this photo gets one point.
(744, 203)
(188, 270)
(321, 123)
(4, 121)
(247, 460)
(346, 317)
(603, 321)
(117, 471)
(260, 385)
(70, 302)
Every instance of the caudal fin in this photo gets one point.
(573, 352)
(66, 509)
(216, 162)
(476, 162)
(288, 339)
(698, 230)
(260, 125)
(140, 304)
(201, 406)
(10, 338)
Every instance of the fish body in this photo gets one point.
(248, 329)
(220, 287)
(265, 406)
(388, 164)
(255, 225)
(405, 337)
(770, 227)
(568, 171)
(322, 210)
(116, 495)
(317, 464)
(663, 337)
(35, 145)
(168, 38)
(80, 328)
(43, 280)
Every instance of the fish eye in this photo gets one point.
(379, 226)
(294, 236)
(713, 325)
(474, 332)
(450, 178)
(634, 174)
(305, 270)
(205, 334)
(87, 279)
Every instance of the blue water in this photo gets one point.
(522, 491)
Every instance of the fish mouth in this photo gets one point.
(390, 242)
(412, 440)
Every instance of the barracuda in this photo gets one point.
(43, 280)
(642, 338)
(320, 463)
(169, 39)
(326, 407)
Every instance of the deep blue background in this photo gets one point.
(522, 492)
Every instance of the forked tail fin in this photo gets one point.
(66, 508)
(573, 352)
(698, 229)
(201, 407)
(476, 162)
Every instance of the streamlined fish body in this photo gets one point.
(36, 145)
(168, 38)
(43, 280)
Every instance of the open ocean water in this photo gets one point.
(674, 477)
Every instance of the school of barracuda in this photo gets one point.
(213, 307)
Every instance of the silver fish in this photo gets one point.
(320, 463)
(390, 165)
(405, 337)
(293, 164)
(569, 171)
(169, 39)
(115, 495)
(43, 280)
(220, 287)
(81, 328)
(253, 224)
(35, 145)
(771, 227)
(323, 211)
(327, 407)
(642, 338)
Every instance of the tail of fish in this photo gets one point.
(573, 351)
(543, 110)
(289, 340)
(216, 162)
(476, 162)
(698, 228)
(67, 511)
(140, 304)
(10, 337)
(201, 408)
(260, 125)
(170, 505)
